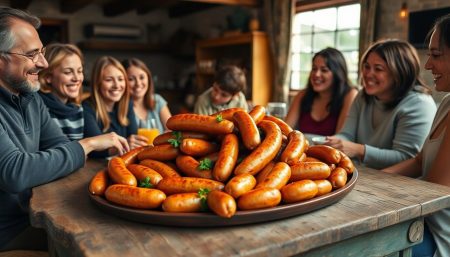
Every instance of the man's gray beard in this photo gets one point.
(23, 86)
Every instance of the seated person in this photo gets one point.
(61, 88)
(109, 107)
(322, 107)
(391, 116)
(226, 92)
(146, 104)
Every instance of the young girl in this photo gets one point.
(109, 108)
(322, 107)
(146, 104)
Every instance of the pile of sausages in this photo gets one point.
(231, 160)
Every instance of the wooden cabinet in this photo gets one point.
(249, 51)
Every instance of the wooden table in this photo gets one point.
(382, 215)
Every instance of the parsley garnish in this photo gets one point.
(205, 164)
(177, 141)
(145, 183)
(203, 194)
(219, 118)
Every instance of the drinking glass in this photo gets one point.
(148, 129)
(277, 109)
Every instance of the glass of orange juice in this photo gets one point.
(148, 129)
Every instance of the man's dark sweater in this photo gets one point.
(33, 151)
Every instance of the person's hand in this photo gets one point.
(349, 148)
(137, 140)
(106, 141)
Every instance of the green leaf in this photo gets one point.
(203, 194)
(219, 118)
(205, 164)
(175, 143)
(145, 183)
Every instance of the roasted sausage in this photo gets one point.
(136, 197)
(277, 177)
(240, 184)
(190, 167)
(227, 114)
(199, 123)
(197, 147)
(119, 173)
(264, 153)
(299, 191)
(131, 156)
(176, 185)
(258, 112)
(184, 202)
(165, 137)
(221, 203)
(227, 158)
(263, 173)
(324, 153)
(142, 171)
(165, 152)
(338, 178)
(247, 127)
(162, 168)
(323, 186)
(294, 148)
(99, 183)
(346, 163)
(285, 128)
(260, 198)
(309, 170)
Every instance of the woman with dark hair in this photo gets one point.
(321, 108)
(390, 118)
(146, 104)
(432, 163)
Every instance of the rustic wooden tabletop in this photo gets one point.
(383, 212)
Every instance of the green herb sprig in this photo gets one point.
(176, 142)
(219, 118)
(203, 194)
(205, 164)
(145, 183)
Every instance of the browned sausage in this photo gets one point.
(294, 148)
(165, 152)
(285, 128)
(264, 153)
(323, 186)
(131, 156)
(99, 183)
(163, 169)
(311, 159)
(346, 163)
(119, 173)
(324, 153)
(258, 112)
(190, 167)
(227, 158)
(136, 197)
(277, 177)
(197, 147)
(338, 178)
(199, 123)
(247, 127)
(176, 185)
(240, 184)
(184, 202)
(165, 137)
(227, 114)
(309, 170)
(141, 172)
(221, 203)
(263, 173)
(299, 191)
(260, 198)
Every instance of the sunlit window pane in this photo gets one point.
(347, 39)
(323, 40)
(305, 61)
(295, 80)
(306, 43)
(325, 20)
(348, 16)
(303, 22)
(295, 62)
(295, 43)
(351, 58)
(304, 79)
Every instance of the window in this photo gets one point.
(312, 31)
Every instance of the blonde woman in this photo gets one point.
(109, 107)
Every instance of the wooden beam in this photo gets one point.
(20, 4)
(227, 2)
(307, 5)
(72, 6)
(118, 7)
(187, 7)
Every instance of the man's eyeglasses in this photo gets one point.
(34, 56)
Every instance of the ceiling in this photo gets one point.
(113, 8)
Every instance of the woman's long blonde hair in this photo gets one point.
(97, 99)
(55, 54)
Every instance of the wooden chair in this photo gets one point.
(24, 253)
